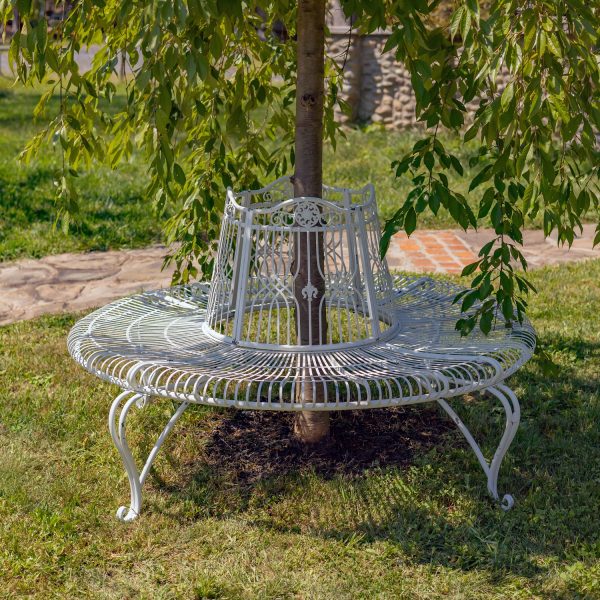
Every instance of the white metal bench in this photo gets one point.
(233, 342)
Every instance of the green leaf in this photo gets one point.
(216, 44)
(230, 7)
(178, 174)
(507, 95)
(507, 283)
(485, 250)
(485, 321)
(13, 50)
(52, 59)
(23, 6)
(42, 34)
(391, 227)
(384, 243)
(521, 159)
(471, 268)
(507, 308)
(570, 127)
(202, 66)
(429, 160)
(402, 166)
(456, 20)
(528, 197)
(548, 223)
(548, 169)
(471, 132)
(419, 144)
(456, 118)
(434, 202)
(473, 7)
(456, 164)
(465, 24)
(410, 221)
(393, 40)
(530, 35)
(465, 326)
(497, 217)
(486, 202)
(485, 289)
(542, 40)
(468, 301)
(482, 176)
(554, 45)
(161, 119)
(559, 108)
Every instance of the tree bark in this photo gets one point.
(310, 427)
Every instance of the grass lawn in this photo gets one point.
(421, 529)
(114, 212)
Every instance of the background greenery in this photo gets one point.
(211, 104)
(427, 531)
(114, 212)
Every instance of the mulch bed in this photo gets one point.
(252, 445)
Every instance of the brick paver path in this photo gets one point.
(71, 282)
(449, 251)
(430, 252)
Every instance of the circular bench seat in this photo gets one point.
(156, 343)
(301, 314)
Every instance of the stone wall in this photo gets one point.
(376, 85)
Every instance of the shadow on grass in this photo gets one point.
(245, 455)
(16, 107)
(405, 476)
(19, 193)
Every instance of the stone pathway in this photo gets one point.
(72, 282)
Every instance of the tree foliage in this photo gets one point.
(211, 103)
(538, 135)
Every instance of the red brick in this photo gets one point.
(408, 245)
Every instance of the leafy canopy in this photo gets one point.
(211, 98)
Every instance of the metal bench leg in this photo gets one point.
(513, 412)
(116, 424)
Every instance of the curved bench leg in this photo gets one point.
(116, 423)
(513, 413)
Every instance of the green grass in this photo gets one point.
(114, 212)
(426, 531)
(366, 156)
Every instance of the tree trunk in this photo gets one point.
(310, 427)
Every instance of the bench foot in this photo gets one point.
(513, 413)
(117, 424)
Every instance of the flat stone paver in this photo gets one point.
(72, 282)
